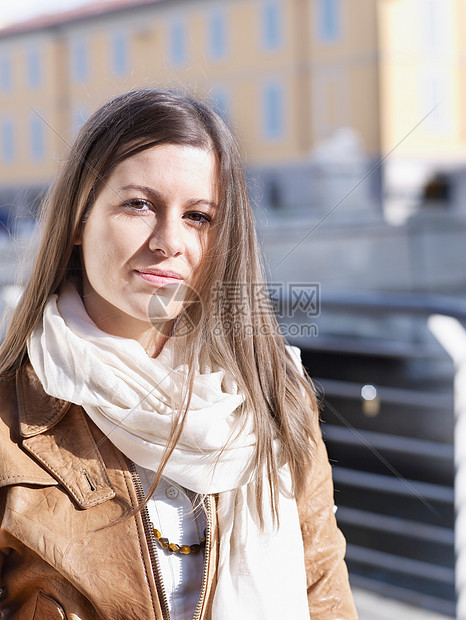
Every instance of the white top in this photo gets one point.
(171, 512)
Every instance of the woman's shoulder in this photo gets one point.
(16, 466)
(9, 428)
(8, 408)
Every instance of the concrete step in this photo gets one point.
(372, 606)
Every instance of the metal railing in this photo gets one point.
(441, 317)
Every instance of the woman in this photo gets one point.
(161, 456)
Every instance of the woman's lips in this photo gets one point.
(159, 279)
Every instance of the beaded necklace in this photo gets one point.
(164, 543)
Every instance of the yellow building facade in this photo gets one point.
(285, 74)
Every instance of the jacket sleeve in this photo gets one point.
(329, 593)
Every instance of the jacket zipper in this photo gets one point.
(153, 551)
(208, 542)
(151, 544)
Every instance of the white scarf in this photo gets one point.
(131, 398)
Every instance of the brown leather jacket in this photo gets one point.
(65, 551)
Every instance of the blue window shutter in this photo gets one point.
(78, 119)
(271, 24)
(219, 99)
(178, 43)
(119, 53)
(8, 141)
(217, 35)
(80, 62)
(37, 138)
(34, 68)
(5, 73)
(329, 17)
(273, 111)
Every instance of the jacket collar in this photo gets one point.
(38, 411)
(63, 445)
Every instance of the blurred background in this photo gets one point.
(349, 115)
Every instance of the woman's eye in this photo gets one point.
(137, 204)
(202, 218)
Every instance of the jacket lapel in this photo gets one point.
(37, 410)
(57, 434)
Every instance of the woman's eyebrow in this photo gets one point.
(146, 189)
(194, 202)
(151, 191)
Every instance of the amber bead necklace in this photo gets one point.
(173, 547)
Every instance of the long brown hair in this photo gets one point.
(282, 403)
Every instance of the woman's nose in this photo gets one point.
(167, 237)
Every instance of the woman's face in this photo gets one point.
(145, 235)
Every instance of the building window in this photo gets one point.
(119, 53)
(178, 42)
(437, 17)
(8, 141)
(5, 73)
(37, 146)
(33, 67)
(271, 25)
(220, 102)
(78, 119)
(437, 103)
(217, 35)
(273, 113)
(79, 61)
(328, 19)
